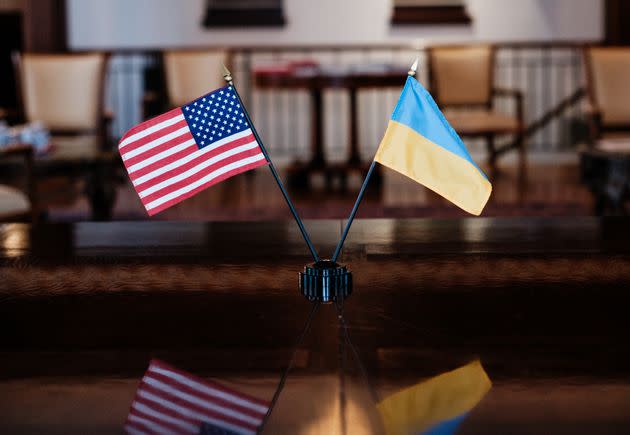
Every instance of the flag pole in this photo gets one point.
(353, 212)
(411, 73)
(227, 75)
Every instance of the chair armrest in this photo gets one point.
(104, 130)
(108, 116)
(593, 115)
(150, 97)
(517, 95)
(153, 103)
(11, 115)
(17, 150)
(591, 109)
(505, 92)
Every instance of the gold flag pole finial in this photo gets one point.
(227, 75)
(414, 68)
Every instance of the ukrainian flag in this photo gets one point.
(420, 144)
(436, 406)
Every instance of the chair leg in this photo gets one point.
(101, 192)
(522, 168)
(522, 152)
(492, 154)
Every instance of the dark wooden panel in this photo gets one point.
(617, 18)
(414, 15)
(244, 13)
(45, 27)
(10, 41)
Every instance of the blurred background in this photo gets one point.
(537, 89)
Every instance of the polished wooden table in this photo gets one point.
(315, 79)
(542, 302)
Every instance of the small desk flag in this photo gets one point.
(171, 401)
(175, 155)
(436, 406)
(420, 144)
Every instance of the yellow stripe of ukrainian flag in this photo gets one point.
(436, 400)
(455, 178)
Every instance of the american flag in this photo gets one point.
(176, 155)
(171, 401)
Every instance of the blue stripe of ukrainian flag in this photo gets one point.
(436, 406)
(420, 144)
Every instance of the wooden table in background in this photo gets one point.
(317, 79)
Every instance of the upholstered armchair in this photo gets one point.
(184, 76)
(190, 74)
(605, 164)
(461, 79)
(18, 204)
(608, 89)
(66, 93)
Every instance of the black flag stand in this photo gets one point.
(353, 212)
(323, 282)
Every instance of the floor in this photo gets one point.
(548, 189)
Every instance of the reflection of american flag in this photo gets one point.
(170, 401)
(175, 155)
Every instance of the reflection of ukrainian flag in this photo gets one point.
(436, 406)
(420, 144)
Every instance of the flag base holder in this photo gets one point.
(325, 282)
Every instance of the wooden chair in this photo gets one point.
(16, 204)
(66, 93)
(184, 75)
(190, 74)
(608, 91)
(605, 164)
(462, 77)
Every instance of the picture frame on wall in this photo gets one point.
(244, 13)
(418, 12)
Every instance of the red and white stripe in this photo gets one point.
(166, 166)
(170, 401)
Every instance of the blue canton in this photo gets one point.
(210, 429)
(215, 116)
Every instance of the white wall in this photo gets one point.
(163, 23)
